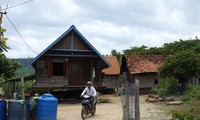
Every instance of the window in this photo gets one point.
(155, 81)
(57, 69)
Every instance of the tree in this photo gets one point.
(181, 66)
(117, 54)
(167, 48)
(8, 67)
(143, 50)
(3, 40)
(182, 45)
(136, 50)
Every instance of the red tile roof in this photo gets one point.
(144, 63)
(114, 69)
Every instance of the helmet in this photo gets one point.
(89, 83)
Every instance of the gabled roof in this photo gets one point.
(73, 28)
(114, 69)
(144, 63)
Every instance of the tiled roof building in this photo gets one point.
(143, 68)
(144, 63)
(111, 74)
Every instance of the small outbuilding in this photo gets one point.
(111, 74)
(143, 68)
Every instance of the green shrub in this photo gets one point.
(191, 110)
(28, 85)
(192, 114)
(167, 87)
(193, 93)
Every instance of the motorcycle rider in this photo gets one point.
(89, 90)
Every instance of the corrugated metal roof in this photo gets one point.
(114, 69)
(106, 63)
(144, 63)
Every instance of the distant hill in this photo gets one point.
(27, 68)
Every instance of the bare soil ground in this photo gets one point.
(113, 110)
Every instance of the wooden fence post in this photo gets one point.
(23, 97)
(22, 87)
(137, 104)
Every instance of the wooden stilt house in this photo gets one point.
(68, 63)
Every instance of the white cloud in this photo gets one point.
(107, 24)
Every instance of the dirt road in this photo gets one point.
(113, 110)
(106, 111)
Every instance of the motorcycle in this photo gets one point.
(88, 106)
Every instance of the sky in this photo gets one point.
(106, 24)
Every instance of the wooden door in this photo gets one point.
(79, 73)
(75, 73)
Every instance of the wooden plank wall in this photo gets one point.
(45, 78)
(111, 81)
(147, 79)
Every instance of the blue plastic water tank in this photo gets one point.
(16, 110)
(2, 110)
(47, 107)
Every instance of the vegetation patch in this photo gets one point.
(192, 114)
(190, 109)
(28, 85)
(193, 93)
(167, 87)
